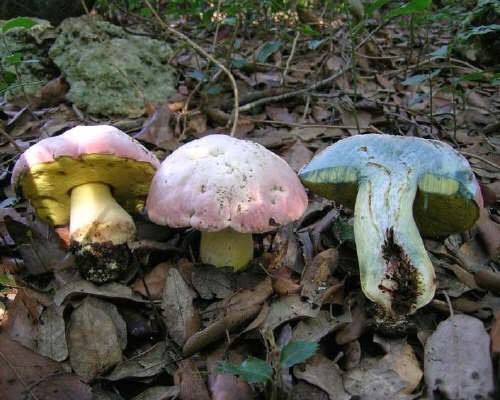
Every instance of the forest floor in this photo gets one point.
(295, 324)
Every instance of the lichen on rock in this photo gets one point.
(34, 69)
(110, 71)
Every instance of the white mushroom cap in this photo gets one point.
(219, 182)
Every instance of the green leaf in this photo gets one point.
(214, 90)
(314, 44)
(440, 52)
(252, 370)
(239, 64)
(413, 7)
(197, 74)
(415, 79)
(474, 76)
(7, 280)
(9, 77)
(268, 49)
(374, 6)
(480, 30)
(19, 22)
(296, 351)
(13, 59)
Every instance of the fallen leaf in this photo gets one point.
(25, 374)
(228, 314)
(317, 278)
(158, 393)
(111, 290)
(286, 309)
(314, 329)
(180, 316)
(145, 364)
(154, 280)
(211, 282)
(190, 382)
(323, 373)
(52, 335)
(21, 323)
(279, 114)
(93, 339)
(352, 330)
(401, 358)
(230, 387)
(495, 334)
(157, 130)
(374, 379)
(305, 391)
(297, 155)
(457, 362)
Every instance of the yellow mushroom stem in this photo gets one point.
(96, 217)
(226, 248)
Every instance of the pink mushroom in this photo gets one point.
(91, 177)
(228, 189)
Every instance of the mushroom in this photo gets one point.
(397, 186)
(228, 189)
(91, 177)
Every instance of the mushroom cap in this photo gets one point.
(219, 182)
(48, 170)
(448, 198)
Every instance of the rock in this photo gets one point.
(53, 10)
(34, 68)
(112, 72)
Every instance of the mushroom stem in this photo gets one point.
(226, 248)
(395, 269)
(96, 217)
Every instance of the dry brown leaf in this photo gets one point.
(457, 363)
(286, 309)
(317, 279)
(323, 373)
(230, 387)
(229, 314)
(52, 335)
(154, 280)
(21, 323)
(81, 287)
(281, 114)
(314, 329)
(488, 280)
(490, 234)
(158, 393)
(495, 334)
(147, 363)
(26, 374)
(211, 282)
(402, 360)
(375, 380)
(157, 130)
(94, 344)
(190, 382)
(180, 316)
(353, 330)
(297, 155)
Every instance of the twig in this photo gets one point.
(299, 125)
(290, 58)
(484, 160)
(11, 140)
(208, 56)
(294, 93)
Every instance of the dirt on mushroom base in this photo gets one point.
(101, 262)
(404, 275)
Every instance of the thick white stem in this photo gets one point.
(395, 269)
(226, 248)
(96, 217)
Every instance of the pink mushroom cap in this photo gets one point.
(219, 182)
(48, 170)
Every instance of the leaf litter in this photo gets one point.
(129, 337)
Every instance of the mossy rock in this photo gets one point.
(112, 72)
(35, 68)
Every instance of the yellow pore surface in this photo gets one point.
(48, 185)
